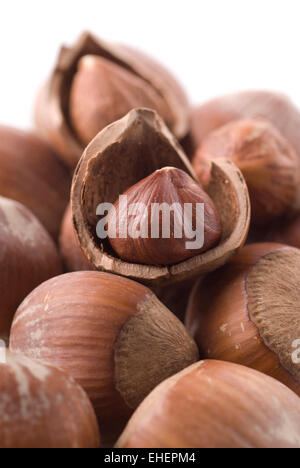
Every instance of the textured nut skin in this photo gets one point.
(28, 257)
(72, 255)
(166, 186)
(103, 92)
(213, 404)
(99, 328)
(247, 312)
(31, 173)
(41, 407)
(272, 106)
(53, 103)
(267, 161)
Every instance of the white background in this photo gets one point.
(213, 46)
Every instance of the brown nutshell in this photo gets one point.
(248, 312)
(99, 328)
(274, 107)
(138, 145)
(267, 161)
(41, 407)
(31, 173)
(130, 77)
(214, 404)
(28, 257)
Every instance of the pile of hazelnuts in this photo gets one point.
(144, 341)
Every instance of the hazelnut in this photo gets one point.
(268, 163)
(99, 328)
(41, 407)
(72, 255)
(28, 257)
(176, 188)
(248, 312)
(103, 92)
(122, 155)
(95, 83)
(32, 174)
(215, 404)
(271, 106)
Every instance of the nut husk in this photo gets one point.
(31, 173)
(214, 404)
(53, 104)
(41, 407)
(99, 328)
(123, 154)
(28, 257)
(248, 311)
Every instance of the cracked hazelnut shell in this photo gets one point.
(41, 407)
(99, 328)
(28, 257)
(248, 312)
(143, 78)
(214, 404)
(267, 161)
(123, 154)
(31, 173)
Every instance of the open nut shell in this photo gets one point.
(128, 151)
(52, 107)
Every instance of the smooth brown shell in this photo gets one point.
(248, 311)
(41, 407)
(99, 328)
(214, 404)
(123, 154)
(31, 173)
(28, 257)
(174, 188)
(52, 108)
